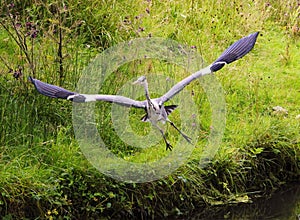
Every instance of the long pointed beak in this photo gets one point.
(135, 82)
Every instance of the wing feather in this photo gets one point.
(59, 92)
(51, 90)
(236, 51)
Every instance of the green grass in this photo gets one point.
(44, 173)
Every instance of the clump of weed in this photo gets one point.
(43, 172)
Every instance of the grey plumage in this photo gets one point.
(155, 109)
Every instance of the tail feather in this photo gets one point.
(145, 118)
(170, 108)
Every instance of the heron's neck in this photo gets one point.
(147, 92)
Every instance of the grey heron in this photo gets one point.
(154, 108)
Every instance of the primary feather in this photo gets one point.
(155, 109)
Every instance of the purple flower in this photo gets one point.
(28, 24)
(18, 73)
(141, 29)
(11, 5)
(18, 25)
(34, 34)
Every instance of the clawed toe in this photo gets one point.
(169, 147)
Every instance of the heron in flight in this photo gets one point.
(154, 108)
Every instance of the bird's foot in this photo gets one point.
(169, 146)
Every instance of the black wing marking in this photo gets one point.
(51, 90)
(59, 92)
(236, 51)
(145, 118)
(170, 108)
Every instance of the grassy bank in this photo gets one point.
(43, 170)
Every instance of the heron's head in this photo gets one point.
(141, 80)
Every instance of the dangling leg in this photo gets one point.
(188, 139)
(168, 145)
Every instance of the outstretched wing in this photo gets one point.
(236, 51)
(58, 92)
(51, 90)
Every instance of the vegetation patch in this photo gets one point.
(43, 172)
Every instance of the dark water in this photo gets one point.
(282, 205)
